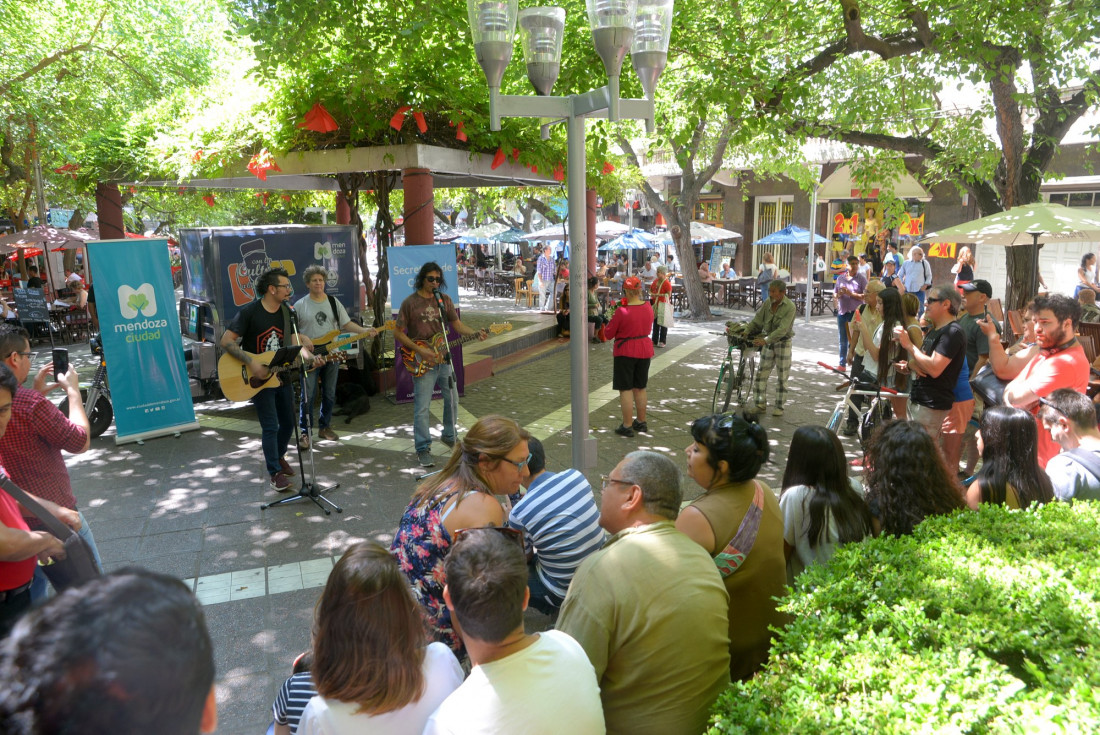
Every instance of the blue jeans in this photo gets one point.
(842, 321)
(275, 411)
(422, 399)
(328, 375)
(542, 599)
(40, 584)
(920, 297)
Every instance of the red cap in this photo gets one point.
(633, 283)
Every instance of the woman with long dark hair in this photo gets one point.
(1086, 275)
(907, 479)
(489, 462)
(738, 521)
(373, 666)
(1008, 440)
(821, 508)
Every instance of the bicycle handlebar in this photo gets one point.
(850, 379)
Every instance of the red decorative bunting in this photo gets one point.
(534, 169)
(68, 168)
(559, 173)
(460, 133)
(498, 159)
(421, 123)
(197, 155)
(181, 190)
(607, 167)
(264, 195)
(286, 197)
(261, 163)
(318, 120)
(515, 155)
(398, 118)
(209, 199)
(132, 190)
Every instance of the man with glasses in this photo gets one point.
(263, 326)
(520, 682)
(419, 320)
(1070, 419)
(1059, 361)
(937, 363)
(650, 608)
(30, 449)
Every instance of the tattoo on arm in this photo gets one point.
(235, 350)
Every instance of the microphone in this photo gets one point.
(438, 296)
(293, 314)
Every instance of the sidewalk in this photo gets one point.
(190, 506)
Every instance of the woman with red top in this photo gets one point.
(659, 293)
(629, 328)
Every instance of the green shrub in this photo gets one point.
(978, 622)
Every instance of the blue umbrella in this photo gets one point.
(635, 240)
(790, 235)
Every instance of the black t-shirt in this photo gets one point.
(260, 330)
(34, 282)
(939, 393)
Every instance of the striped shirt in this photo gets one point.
(561, 523)
(292, 700)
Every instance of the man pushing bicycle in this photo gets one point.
(772, 330)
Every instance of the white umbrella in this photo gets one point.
(609, 229)
(546, 234)
(702, 232)
(45, 237)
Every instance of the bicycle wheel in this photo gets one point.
(746, 374)
(722, 389)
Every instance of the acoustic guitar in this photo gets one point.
(238, 384)
(418, 366)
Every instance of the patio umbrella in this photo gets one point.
(1026, 225)
(42, 236)
(790, 235)
(702, 232)
(636, 240)
(547, 234)
(609, 229)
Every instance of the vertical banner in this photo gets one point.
(140, 330)
(405, 262)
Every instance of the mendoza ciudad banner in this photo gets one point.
(140, 329)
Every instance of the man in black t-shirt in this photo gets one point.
(260, 327)
(938, 362)
(33, 281)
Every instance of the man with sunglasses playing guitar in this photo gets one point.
(419, 321)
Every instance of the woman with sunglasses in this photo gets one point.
(1008, 441)
(738, 521)
(374, 669)
(489, 462)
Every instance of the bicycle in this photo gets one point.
(871, 414)
(731, 378)
(97, 397)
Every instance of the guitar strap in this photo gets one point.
(335, 313)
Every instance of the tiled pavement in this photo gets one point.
(190, 506)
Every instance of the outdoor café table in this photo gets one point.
(727, 286)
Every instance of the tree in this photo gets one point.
(879, 76)
(85, 65)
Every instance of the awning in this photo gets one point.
(840, 185)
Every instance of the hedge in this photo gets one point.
(978, 622)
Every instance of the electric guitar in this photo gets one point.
(417, 365)
(324, 345)
(238, 384)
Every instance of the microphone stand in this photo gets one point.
(310, 490)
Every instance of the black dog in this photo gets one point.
(351, 400)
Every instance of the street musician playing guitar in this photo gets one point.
(421, 318)
(260, 327)
(318, 314)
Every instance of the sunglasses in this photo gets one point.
(1051, 406)
(433, 279)
(519, 465)
(512, 534)
(933, 301)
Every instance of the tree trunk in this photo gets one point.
(383, 183)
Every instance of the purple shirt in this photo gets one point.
(856, 284)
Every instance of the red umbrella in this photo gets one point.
(27, 253)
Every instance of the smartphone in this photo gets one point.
(987, 313)
(60, 362)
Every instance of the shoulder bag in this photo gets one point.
(79, 565)
(988, 387)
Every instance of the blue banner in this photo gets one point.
(140, 330)
(405, 263)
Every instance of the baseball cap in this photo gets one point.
(633, 283)
(980, 286)
(875, 285)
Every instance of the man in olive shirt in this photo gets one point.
(650, 608)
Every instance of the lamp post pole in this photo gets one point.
(641, 26)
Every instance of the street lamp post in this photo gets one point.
(640, 26)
